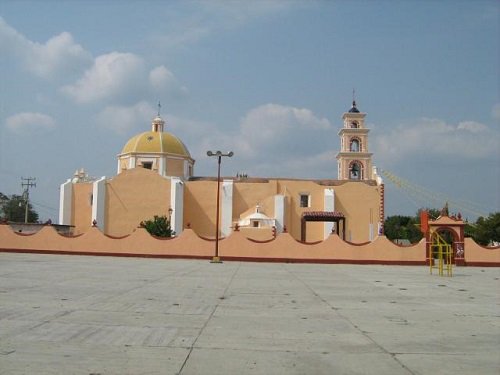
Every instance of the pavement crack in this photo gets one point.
(364, 333)
(220, 299)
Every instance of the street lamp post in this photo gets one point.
(219, 155)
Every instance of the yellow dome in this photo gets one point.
(156, 142)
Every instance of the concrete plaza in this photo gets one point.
(66, 314)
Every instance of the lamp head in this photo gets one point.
(219, 153)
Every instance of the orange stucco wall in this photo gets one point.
(360, 204)
(133, 196)
(188, 244)
(258, 234)
(247, 195)
(200, 207)
(293, 211)
(138, 194)
(477, 254)
(81, 207)
(236, 246)
(357, 200)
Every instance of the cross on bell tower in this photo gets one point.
(354, 161)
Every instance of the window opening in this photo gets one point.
(304, 200)
(355, 171)
(355, 145)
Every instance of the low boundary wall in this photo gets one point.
(283, 248)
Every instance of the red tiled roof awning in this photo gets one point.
(322, 216)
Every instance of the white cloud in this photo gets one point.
(160, 77)
(276, 129)
(271, 140)
(472, 126)
(162, 80)
(434, 138)
(112, 74)
(28, 123)
(60, 55)
(122, 76)
(126, 120)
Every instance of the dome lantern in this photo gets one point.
(354, 109)
(157, 124)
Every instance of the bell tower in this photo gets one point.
(354, 161)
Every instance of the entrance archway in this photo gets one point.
(325, 216)
(451, 229)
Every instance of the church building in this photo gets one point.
(155, 176)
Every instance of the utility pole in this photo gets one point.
(26, 184)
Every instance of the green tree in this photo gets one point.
(434, 213)
(13, 209)
(487, 230)
(407, 227)
(159, 226)
(469, 230)
(402, 227)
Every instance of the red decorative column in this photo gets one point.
(382, 209)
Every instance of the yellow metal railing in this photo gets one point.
(440, 254)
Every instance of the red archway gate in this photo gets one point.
(434, 229)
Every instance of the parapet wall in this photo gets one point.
(283, 248)
(477, 255)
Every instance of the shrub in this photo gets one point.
(159, 226)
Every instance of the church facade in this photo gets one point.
(155, 176)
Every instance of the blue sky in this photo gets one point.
(268, 80)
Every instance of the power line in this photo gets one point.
(44, 206)
(426, 196)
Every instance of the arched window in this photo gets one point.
(355, 170)
(354, 125)
(355, 145)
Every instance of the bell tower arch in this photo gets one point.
(354, 161)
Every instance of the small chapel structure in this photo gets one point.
(155, 176)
